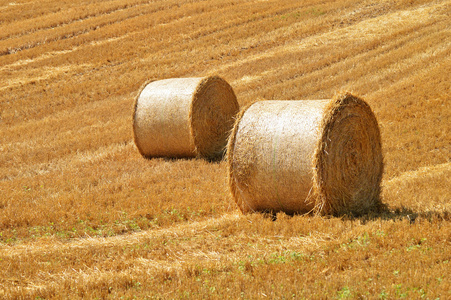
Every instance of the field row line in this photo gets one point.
(184, 258)
(97, 23)
(190, 229)
(57, 165)
(77, 28)
(350, 62)
(185, 255)
(412, 62)
(7, 47)
(34, 25)
(423, 172)
(142, 14)
(375, 26)
(360, 54)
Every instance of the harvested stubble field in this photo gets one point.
(83, 214)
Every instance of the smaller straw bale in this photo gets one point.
(184, 117)
(322, 156)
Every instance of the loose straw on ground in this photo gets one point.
(184, 117)
(319, 156)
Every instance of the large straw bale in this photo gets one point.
(320, 156)
(184, 117)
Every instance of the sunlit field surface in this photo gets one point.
(84, 215)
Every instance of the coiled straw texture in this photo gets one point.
(184, 117)
(321, 156)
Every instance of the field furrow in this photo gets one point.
(183, 252)
(65, 16)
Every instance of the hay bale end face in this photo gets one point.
(184, 117)
(319, 156)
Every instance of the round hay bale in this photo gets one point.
(320, 156)
(184, 117)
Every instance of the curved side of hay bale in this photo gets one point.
(270, 156)
(287, 155)
(161, 119)
(184, 117)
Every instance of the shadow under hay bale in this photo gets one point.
(184, 117)
(320, 156)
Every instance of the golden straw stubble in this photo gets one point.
(304, 156)
(184, 117)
